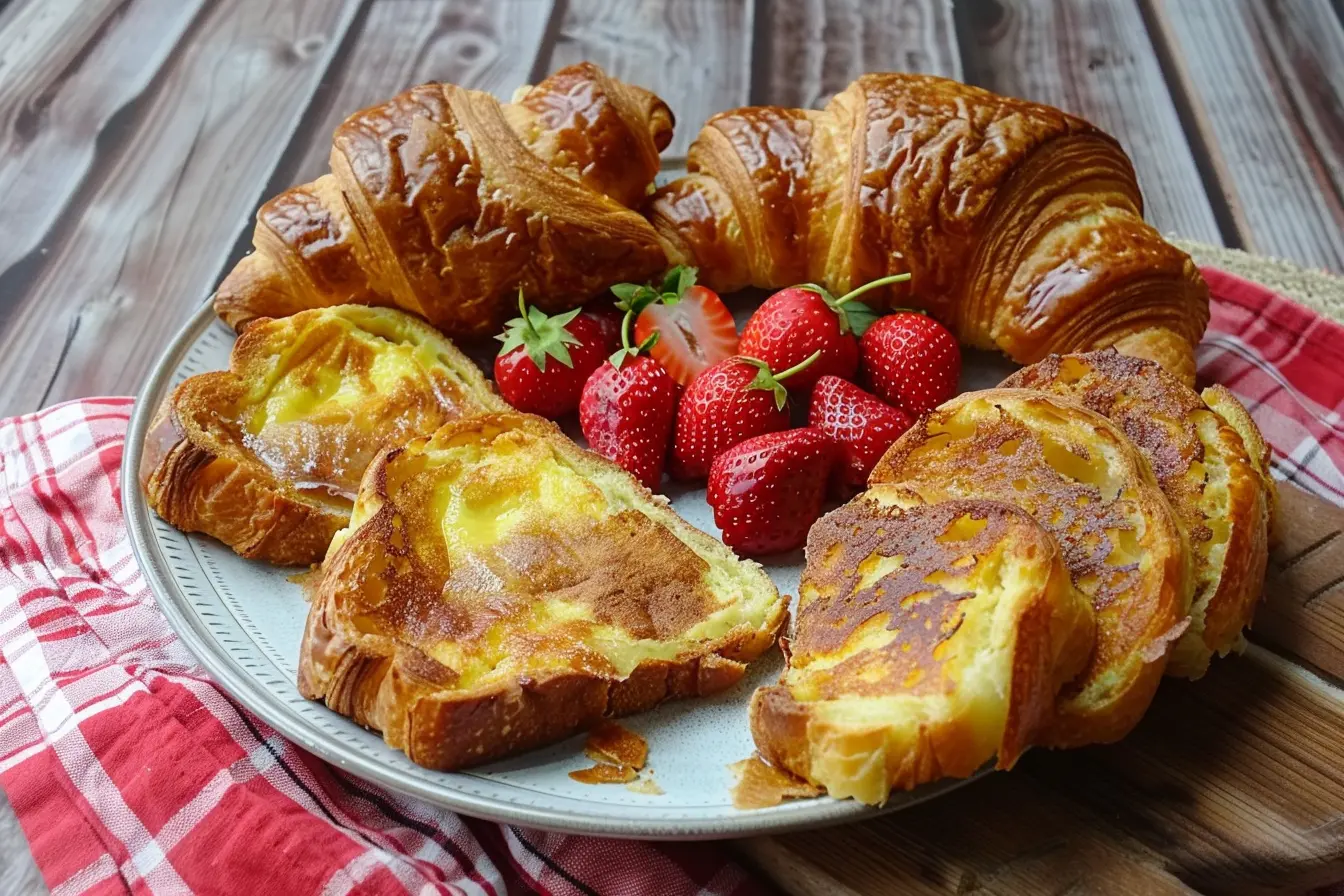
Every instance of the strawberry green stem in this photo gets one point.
(522, 312)
(874, 284)
(625, 329)
(801, 365)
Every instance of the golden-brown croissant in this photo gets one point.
(442, 201)
(1021, 226)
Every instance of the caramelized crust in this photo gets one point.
(499, 588)
(267, 456)
(1021, 226)
(444, 202)
(1202, 466)
(929, 639)
(1083, 480)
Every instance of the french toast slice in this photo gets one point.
(1202, 465)
(499, 588)
(1083, 480)
(267, 455)
(928, 640)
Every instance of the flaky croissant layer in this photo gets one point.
(442, 201)
(1021, 226)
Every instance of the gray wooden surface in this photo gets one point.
(137, 137)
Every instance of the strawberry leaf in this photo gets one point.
(857, 318)
(626, 292)
(540, 335)
(766, 381)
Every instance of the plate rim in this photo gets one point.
(256, 698)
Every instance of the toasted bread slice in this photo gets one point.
(499, 588)
(267, 455)
(929, 639)
(1203, 468)
(1086, 483)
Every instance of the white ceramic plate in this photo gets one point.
(244, 621)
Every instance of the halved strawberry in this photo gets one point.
(696, 329)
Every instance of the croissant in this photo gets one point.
(442, 201)
(1021, 226)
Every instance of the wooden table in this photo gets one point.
(139, 136)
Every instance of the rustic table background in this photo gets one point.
(139, 136)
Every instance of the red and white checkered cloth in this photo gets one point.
(130, 771)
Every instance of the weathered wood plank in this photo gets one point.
(69, 68)
(809, 50)
(483, 44)
(1303, 610)
(1238, 779)
(1005, 835)
(695, 54)
(150, 238)
(1094, 59)
(1234, 783)
(1265, 84)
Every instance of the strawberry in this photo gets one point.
(728, 403)
(536, 370)
(627, 410)
(696, 329)
(768, 491)
(910, 361)
(795, 322)
(609, 320)
(860, 424)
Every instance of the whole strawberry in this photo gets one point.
(860, 424)
(627, 410)
(544, 362)
(910, 361)
(768, 491)
(795, 322)
(608, 320)
(727, 403)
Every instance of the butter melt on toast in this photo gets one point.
(499, 588)
(1083, 480)
(1201, 461)
(929, 639)
(267, 455)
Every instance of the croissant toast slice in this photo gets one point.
(267, 455)
(1021, 227)
(499, 588)
(1217, 493)
(929, 639)
(1082, 479)
(444, 202)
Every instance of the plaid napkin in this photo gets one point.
(130, 771)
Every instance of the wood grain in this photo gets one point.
(1265, 85)
(70, 67)
(483, 44)
(696, 54)
(149, 240)
(1094, 59)
(1303, 610)
(1005, 835)
(811, 49)
(1231, 784)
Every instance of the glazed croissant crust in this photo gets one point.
(442, 201)
(1021, 226)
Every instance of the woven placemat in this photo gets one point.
(1318, 290)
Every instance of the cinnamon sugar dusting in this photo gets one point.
(760, 786)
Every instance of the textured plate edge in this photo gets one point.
(793, 816)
